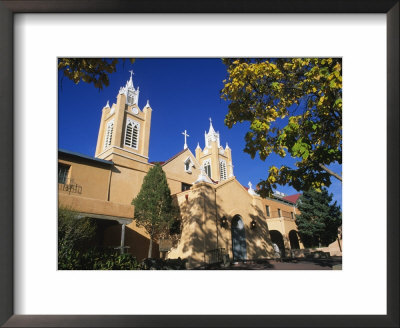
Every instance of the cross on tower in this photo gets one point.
(131, 73)
(210, 120)
(186, 135)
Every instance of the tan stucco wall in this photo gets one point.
(91, 178)
(175, 171)
(95, 206)
(202, 231)
(283, 224)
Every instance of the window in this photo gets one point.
(222, 170)
(279, 212)
(267, 209)
(185, 186)
(109, 132)
(62, 173)
(291, 214)
(207, 167)
(132, 134)
(188, 165)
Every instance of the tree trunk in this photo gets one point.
(337, 176)
(150, 247)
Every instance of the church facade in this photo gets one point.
(217, 214)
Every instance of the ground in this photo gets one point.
(333, 263)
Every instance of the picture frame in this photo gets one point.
(7, 10)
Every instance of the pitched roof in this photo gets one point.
(173, 157)
(292, 198)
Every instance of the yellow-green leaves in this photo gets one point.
(294, 106)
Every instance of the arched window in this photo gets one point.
(207, 167)
(109, 132)
(188, 165)
(132, 134)
(222, 170)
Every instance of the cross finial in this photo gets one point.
(210, 120)
(186, 135)
(131, 73)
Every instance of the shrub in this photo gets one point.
(76, 249)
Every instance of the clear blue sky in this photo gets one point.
(183, 94)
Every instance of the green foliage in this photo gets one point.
(74, 233)
(95, 259)
(89, 70)
(76, 250)
(294, 107)
(154, 209)
(160, 264)
(319, 219)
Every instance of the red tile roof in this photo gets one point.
(292, 198)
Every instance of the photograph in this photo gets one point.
(176, 164)
(199, 163)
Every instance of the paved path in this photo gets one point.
(312, 264)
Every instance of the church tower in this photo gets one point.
(124, 128)
(216, 160)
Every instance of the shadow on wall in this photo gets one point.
(198, 232)
(207, 231)
(261, 243)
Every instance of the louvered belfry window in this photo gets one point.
(222, 170)
(132, 134)
(109, 132)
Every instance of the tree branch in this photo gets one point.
(337, 176)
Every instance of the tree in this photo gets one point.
(154, 209)
(89, 70)
(319, 220)
(294, 107)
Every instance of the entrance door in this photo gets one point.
(238, 239)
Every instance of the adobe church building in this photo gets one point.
(216, 211)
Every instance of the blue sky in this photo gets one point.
(183, 93)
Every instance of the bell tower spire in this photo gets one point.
(216, 160)
(211, 136)
(124, 128)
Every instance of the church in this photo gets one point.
(218, 215)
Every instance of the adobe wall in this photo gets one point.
(81, 176)
(201, 209)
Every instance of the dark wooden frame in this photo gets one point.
(7, 10)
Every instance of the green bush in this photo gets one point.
(95, 259)
(77, 250)
(74, 232)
